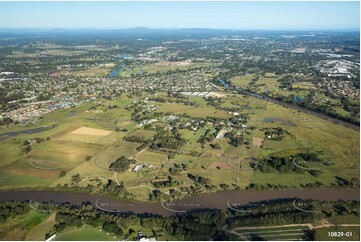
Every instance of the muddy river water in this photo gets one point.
(220, 200)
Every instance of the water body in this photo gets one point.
(116, 71)
(7, 135)
(23, 77)
(124, 57)
(224, 84)
(220, 200)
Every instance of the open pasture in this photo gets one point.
(197, 112)
(220, 165)
(93, 71)
(151, 157)
(91, 131)
(19, 227)
(164, 67)
(86, 233)
(242, 81)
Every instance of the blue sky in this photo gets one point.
(226, 15)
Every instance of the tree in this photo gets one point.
(27, 149)
(76, 178)
(215, 146)
(355, 181)
(62, 173)
(236, 140)
(112, 227)
(121, 164)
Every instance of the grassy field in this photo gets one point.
(151, 157)
(19, 227)
(146, 134)
(345, 219)
(197, 112)
(58, 152)
(164, 67)
(8, 180)
(9, 151)
(39, 231)
(93, 71)
(86, 233)
(242, 81)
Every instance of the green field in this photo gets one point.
(17, 181)
(163, 67)
(93, 71)
(39, 231)
(84, 234)
(197, 112)
(21, 226)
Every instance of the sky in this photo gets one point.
(218, 15)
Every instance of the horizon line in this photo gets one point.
(180, 28)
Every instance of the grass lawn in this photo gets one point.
(9, 151)
(146, 134)
(163, 67)
(242, 81)
(93, 71)
(18, 181)
(345, 219)
(151, 157)
(18, 227)
(38, 232)
(86, 233)
(198, 112)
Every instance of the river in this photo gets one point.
(220, 200)
(116, 71)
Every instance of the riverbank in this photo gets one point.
(221, 200)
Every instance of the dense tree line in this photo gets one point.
(288, 164)
(121, 164)
(278, 212)
(199, 179)
(11, 210)
(168, 139)
(236, 139)
(195, 225)
(135, 139)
